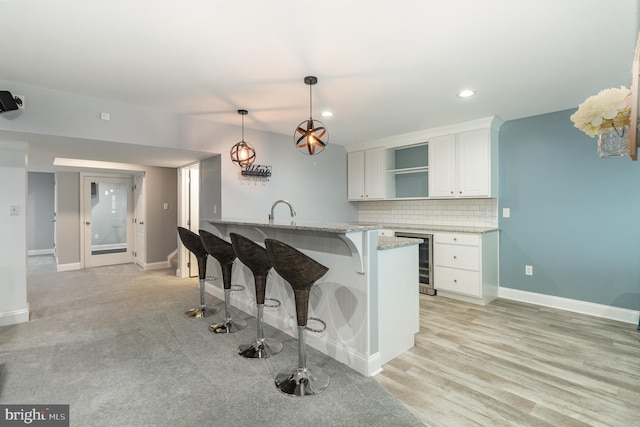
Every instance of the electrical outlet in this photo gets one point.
(528, 270)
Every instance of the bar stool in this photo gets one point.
(301, 272)
(223, 252)
(193, 243)
(256, 259)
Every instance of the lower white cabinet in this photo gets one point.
(466, 266)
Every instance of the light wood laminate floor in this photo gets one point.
(516, 364)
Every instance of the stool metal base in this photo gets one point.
(200, 312)
(302, 381)
(227, 326)
(261, 348)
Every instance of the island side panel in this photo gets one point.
(399, 301)
(342, 298)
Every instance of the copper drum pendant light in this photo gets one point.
(311, 136)
(243, 154)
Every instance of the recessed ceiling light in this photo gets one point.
(465, 93)
(327, 114)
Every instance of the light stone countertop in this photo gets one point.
(385, 243)
(292, 224)
(431, 227)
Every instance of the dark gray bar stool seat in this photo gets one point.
(301, 272)
(223, 252)
(193, 243)
(256, 259)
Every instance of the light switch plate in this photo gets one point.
(506, 212)
(14, 210)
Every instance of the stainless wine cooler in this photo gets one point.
(425, 261)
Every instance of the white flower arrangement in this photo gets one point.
(610, 106)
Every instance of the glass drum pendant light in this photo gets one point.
(243, 154)
(311, 136)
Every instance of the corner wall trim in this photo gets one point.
(592, 309)
(69, 267)
(156, 265)
(14, 317)
(36, 252)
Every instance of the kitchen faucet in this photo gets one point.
(271, 215)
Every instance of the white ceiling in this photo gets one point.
(384, 67)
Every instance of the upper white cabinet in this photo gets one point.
(366, 174)
(455, 161)
(461, 165)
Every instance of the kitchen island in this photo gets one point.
(368, 298)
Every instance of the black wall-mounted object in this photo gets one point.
(7, 101)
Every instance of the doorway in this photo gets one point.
(189, 216)
(140, 252)
(107, 225)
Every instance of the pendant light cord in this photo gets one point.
(310, 103)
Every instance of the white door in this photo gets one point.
(108, 232)
(194, 213)
(188, 216)
(139, 220)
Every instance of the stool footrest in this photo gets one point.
(275, 304)
(237, 288)
(324, 325)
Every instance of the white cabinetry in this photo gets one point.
(466, 266)
(460, 165)
(366, 174)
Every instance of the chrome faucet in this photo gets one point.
(272, 216)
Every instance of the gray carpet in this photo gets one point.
(113, 342)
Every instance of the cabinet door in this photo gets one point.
(442, 166)
(473, 164)
(355, 175)
(374, 173)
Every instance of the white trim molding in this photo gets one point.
(156, 265)
(36, 252)
(69, 267)
(14, 317)
(592, 309)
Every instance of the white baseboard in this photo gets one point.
(36, 252)
(156, 265)
(367, 366)
(599, 310)
(69, 267)
(14, 317)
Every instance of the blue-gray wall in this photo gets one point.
(574, 217)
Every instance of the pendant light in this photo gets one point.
(311, 136)
(243, 154)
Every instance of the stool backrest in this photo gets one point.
(299, 270)
(251, 254)
(256, 259)
(222, 251)
(192, 242)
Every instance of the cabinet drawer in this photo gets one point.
(459, 281)
(457, 256)
(457, 239)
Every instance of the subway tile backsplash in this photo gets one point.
(466, 212)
